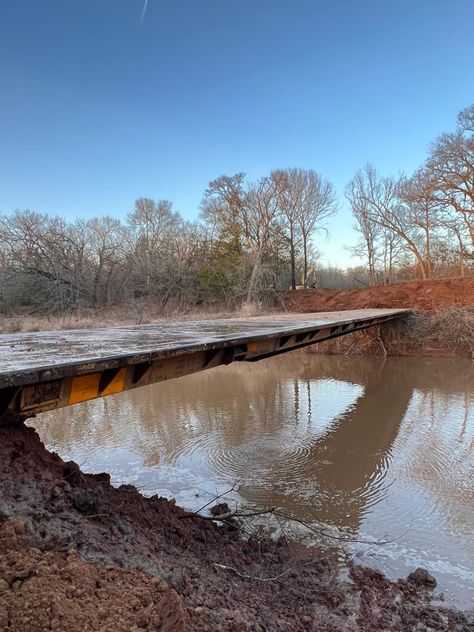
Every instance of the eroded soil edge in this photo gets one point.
(78, 554)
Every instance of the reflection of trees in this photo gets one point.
(235, 403)
(440, 375)
(276, 426)
(438, 432)
(438, 447)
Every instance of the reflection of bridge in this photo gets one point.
(310, 434)
(47, 370)
(345, 462)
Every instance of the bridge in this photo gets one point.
(46, 370)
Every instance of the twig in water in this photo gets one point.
(272, 511)
(77, 469)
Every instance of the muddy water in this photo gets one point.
(378, 450)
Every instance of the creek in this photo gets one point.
(376, 450)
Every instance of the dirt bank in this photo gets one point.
(421, 296)
(78, 554)
(442, 323)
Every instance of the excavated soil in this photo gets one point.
(48, 590)
(78, 554)
(424, 296)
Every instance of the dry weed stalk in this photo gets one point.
(449, 332)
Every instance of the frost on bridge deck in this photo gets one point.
(44, 370)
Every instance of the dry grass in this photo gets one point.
(449, 332)
(120, 317)
(50, 323)
(250, 309)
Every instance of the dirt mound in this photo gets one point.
(426, 296)
(63, 529)
(47, 590)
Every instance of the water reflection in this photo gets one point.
(373, 447)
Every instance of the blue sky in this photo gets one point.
(98, 107)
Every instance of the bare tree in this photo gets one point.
(450, 168)
(46, 256)
(466, 119)
(368, 229)
(151, 224)
(289, 194)
(259, 216)
(454, 226)
(318, 203)
(106, 244)
(423, 211)
(385, 207)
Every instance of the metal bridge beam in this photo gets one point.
(32, 382)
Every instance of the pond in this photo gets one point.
(377, 450)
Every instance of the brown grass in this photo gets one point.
(449, 332)
(120, 317)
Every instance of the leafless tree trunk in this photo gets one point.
(385, 207)
(368, 229)
(289, 191)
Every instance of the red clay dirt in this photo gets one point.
(78, 554)
(425, 296)
(47, 590)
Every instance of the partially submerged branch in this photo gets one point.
(233, 517)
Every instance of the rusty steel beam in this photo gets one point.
(48, 370)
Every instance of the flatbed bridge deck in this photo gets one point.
(45, 370)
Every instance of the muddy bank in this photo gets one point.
(49, 590)
(93, 557)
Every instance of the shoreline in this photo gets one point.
(156, 566)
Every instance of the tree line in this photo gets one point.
(424, 222)
(251, 240)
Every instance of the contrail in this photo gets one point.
(144, 11)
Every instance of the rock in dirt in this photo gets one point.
(221, 509)
(421, 577)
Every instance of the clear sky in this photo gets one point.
(99, 106)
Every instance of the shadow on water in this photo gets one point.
(372, 447)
